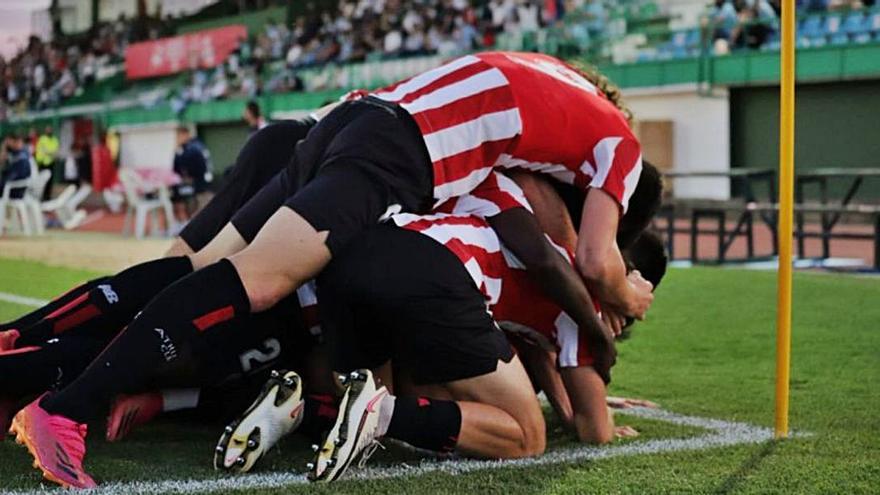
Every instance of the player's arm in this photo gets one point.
(547, 376)
(519, 231)
(547, 206)
(599, 260)
(593, 420)
(540, 364)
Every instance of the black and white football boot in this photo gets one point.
(354, 432)
(276, 412)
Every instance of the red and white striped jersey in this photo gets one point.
(492, 196)
(459, 224)
(523, 308)
(523, 110)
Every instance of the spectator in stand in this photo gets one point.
(756, 22)
(528, 15)
(254, 116)
(192, 162)
(722, 19)
(45, 74)
(15, 166)
(46, 153)
(815, 5)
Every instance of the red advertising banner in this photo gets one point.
(199, 50)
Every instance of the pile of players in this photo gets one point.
(406, 261)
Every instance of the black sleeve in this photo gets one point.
(179, 167)
(265, 153)
(519, 231)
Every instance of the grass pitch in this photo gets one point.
(706, 350)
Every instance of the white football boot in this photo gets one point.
(354, 432)
(276, 412)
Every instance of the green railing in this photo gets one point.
(843, 62)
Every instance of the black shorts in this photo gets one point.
(397, 294)
(267, 152)
(364, 159)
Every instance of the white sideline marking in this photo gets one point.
(24, 301)
(720, 434)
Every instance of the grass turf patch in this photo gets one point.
(707, 349)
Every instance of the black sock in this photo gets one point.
(319, 414)
(109, 306)
(37, 369)
(159, 339)
(29, 319)
(426, 423)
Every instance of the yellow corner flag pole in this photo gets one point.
(786, 207)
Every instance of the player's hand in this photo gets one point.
(641, 295)
(614, 321)
(626, 403)
(625, 432)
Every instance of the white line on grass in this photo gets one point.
(720, 434)
(24, 301)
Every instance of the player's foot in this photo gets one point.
(7, 339)
(277, 412)
(354, 431)
(130, 411)
(57, 444)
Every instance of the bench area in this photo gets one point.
(744, 213)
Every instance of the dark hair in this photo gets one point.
(643, 205)
(182, 129)
(648, 255)
(254, 108)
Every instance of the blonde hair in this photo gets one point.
(603, 84)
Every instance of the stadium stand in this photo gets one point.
(280, 58)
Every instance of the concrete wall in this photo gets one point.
(837, 126)
(224, 141)
(147, 146)
(701, 134)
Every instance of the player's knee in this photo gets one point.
(535, 434)
(533, 441)
(266, 291)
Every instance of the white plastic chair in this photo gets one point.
(139, 205)
(10, 207)
(65, 206)
(25, 210)
(39, 180)
(113, 200)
